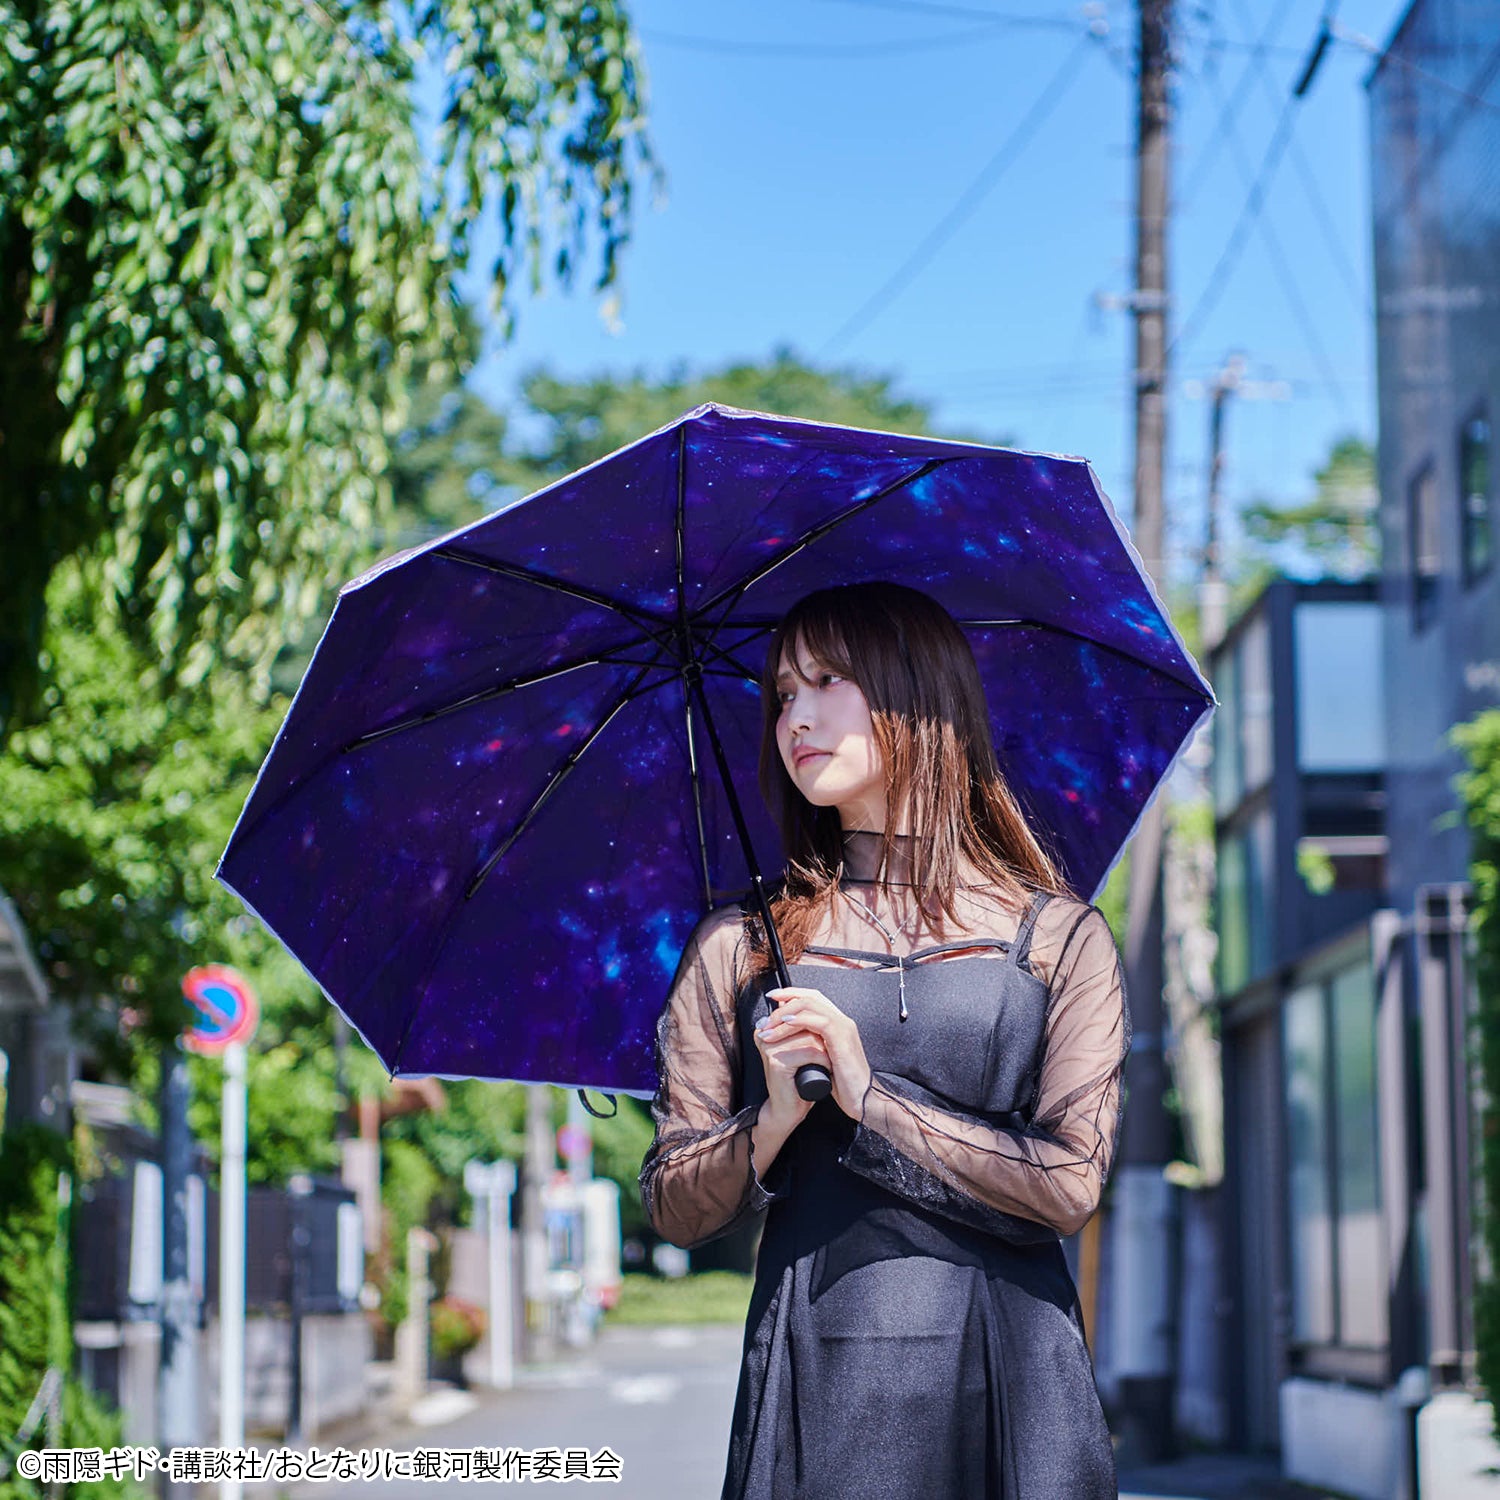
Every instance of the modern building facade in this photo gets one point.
(1343, 857)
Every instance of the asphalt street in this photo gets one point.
(660, 1399)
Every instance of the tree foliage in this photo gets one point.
(576, 422)
(1337, 530)
(1479, 788)
(113, 813)
(222, 248)
(36, 1294)
(459, 458)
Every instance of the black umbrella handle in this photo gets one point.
(814, 1081)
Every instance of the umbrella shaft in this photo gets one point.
(695, 681)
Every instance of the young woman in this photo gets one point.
(914, 1333)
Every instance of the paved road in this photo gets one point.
(661, 1399)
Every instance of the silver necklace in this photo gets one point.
(890, 938)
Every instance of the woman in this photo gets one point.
(913, 1330)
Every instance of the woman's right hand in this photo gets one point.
(780, 1058)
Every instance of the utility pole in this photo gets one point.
(1143, 1239)
(1213, 591)
(178, 1381)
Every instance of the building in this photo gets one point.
(37, 1057)
(1343, 856)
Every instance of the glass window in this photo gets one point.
(1339, 1282)
(1226, 725)
(1361, 1261)
(1245, 902)
(1304, 1041)
(1255, 702)
(1233, 916)
(1340, 701)
(1474, 496)
(1423, 545)
(1260, 890)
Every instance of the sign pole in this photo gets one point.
(227, 1015)
(232, 1264)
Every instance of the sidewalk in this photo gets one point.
(1216, 1476)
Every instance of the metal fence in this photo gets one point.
(117, 1247)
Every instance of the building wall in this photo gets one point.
(1435, 155)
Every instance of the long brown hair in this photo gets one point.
(932, 727)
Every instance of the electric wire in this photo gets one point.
(970, 199)
(1281, 266)
(1239, 235)
(1370, 49)
(1231, 108)
(972, 13)
(1321, 216)
(822, 52)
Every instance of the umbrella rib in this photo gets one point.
(1077, 635)
(697, 782)
(1087, 640)
(647, 622)
(485, 695)
(737, 590)
(559, 774)
(723, 654)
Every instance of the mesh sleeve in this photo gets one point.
(1046, 1178)
(698, 1180)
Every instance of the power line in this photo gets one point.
(1370, 49)
(1232, 105)
(830, 51)
(974, 12)
(1309, 186)
(1281, 265)
(1254, 202)
(968, 201)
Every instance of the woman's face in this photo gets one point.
(827, 740)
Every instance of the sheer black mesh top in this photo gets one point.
(1016, 1140)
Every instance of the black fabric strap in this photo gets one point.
(1023, 938)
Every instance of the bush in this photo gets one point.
(35, 1318)
(456, 1327)
(1480, 789)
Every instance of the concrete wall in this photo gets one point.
(336, 1351)
(1344, 1437)
(1202, 1313)
(1456, 1448)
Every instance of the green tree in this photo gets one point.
(1479, 788)
(457, 457)
(36, 1297)
(1337, 531)
(223, 248)
(579, 421)
(113, 812)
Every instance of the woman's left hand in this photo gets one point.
(812, 1010)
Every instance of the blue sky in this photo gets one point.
(812, 150)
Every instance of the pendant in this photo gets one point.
(900, 990)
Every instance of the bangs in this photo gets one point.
(818, 631)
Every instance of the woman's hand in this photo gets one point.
(802, 1015)
(782, 1052)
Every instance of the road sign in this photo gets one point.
(574, 1142)
(226, 1005)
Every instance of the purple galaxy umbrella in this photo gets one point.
(492, 816)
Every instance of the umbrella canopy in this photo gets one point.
(491, 818)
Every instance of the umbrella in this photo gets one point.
(491, 818)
